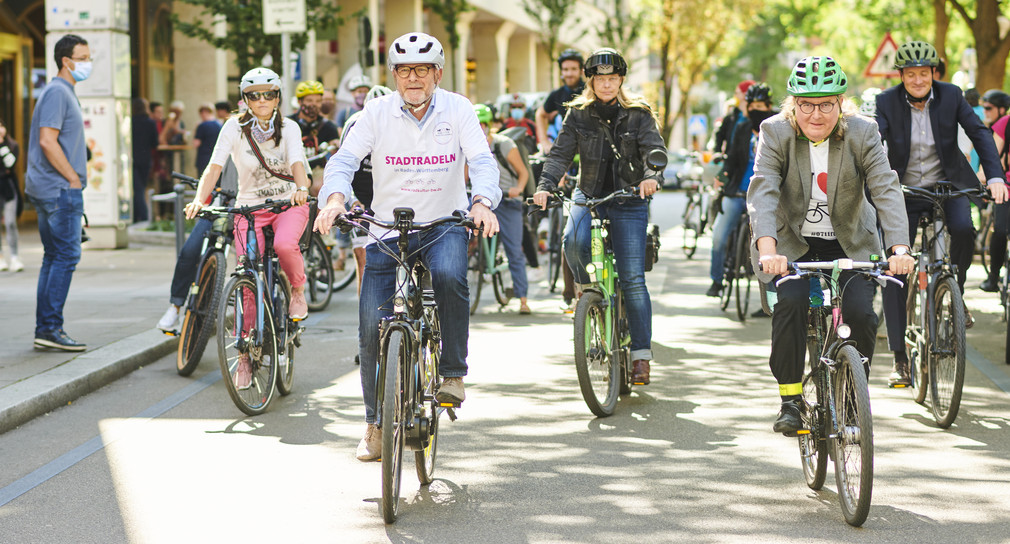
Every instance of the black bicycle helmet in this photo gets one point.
(997, 98)
(759, 92)
(570, 54)
(604, 62)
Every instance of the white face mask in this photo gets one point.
(81, 70)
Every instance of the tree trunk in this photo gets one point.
(990, 47)
(940, 35)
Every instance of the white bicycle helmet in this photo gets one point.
(260, 79)
(415, 48)
(357, 82)
(376, 92)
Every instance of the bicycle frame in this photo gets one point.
(489, 246)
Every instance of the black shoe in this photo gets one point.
(759, 313)
(789, 420)
(989, 286)
(714, 290)
(899, 376)
(58, 340)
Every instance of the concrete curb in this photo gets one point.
(85, 373)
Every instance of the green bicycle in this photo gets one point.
(486, 262)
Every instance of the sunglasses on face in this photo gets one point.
(254, 96)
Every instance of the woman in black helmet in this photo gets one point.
(610, 163)
(995, 105)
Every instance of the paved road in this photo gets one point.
(159, 458)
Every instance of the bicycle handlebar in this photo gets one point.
(192, 182)
(556, 199)
(277, 206)
(867, 268)
(945, 190)
(346, 220)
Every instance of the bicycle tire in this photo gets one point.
(853, 446)
(1005, 296)
(393, 423)
(984, 236)
(918, 352)
(237, 302)
(598, 373)
(554, 248)
(319, 275)
(198, 324)
(424, 459)
(621, 331)
(343, 277)
(946, 365)
(728, 276)
(475, 273)
(813, 446)
(286, 330)
(501, 292)
(692, 226)
(744, 274)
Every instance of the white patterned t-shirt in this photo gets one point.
(817, 223)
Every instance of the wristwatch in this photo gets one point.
(900, 250)
(483, 200)
(303, 189)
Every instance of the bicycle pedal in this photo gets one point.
(898, 386)
(803, 431)
(170, 333)
(448, 404)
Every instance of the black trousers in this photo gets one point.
(957, 212)
(789, 320)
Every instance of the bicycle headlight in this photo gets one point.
(399, 303)
(591, 270)
(844, 331)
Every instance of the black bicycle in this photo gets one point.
(738, 272)
(200, 308)
(256, 337)
(407, 377)
(836, 398)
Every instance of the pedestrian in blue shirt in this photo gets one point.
(54, 182)
(205, 137)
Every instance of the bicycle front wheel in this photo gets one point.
(691, 226)
(424, 458)
(319, 274)
(394, 418)
(247, 354)
(744, 275)
(915, 342)
(598, 372)
(946, 364)
(198, 325)
(813, 445)
(853, 445)
(286, 335)
(474, 272)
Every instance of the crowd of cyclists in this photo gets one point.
(819, 176)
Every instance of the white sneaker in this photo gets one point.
(370, 447)
(16, 264)
(170, 321)
(3, 264)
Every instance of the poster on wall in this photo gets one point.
(108, 136)
(69, 15)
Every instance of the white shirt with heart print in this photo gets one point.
(817, 223)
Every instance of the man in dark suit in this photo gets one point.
(918, 120)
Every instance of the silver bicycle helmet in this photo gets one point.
(415, 48)
(260, 79)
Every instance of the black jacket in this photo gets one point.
(636, 134)
(737, 157)
(947, 110)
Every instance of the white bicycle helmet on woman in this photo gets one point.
(415, 48)
(259, 79)
(357, 82)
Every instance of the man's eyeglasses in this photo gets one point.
(254, 96)
(808, 107)
(85, 59)
(404, 71)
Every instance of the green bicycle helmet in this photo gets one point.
(916, 54)
(483, 112)
(817, 76)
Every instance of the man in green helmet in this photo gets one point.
(918, 119)
(817, 162)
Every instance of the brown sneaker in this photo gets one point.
(370, 447)
(451, 390)
(640, 372)
(298, 308)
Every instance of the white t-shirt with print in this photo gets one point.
(817, 223)
(255, 184)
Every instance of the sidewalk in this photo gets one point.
(115, 299)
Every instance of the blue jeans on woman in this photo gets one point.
(443, 250)
(188, 260)
(60, 230)
(628, 222)
(725, 224)
(510, 223)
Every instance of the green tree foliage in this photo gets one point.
(449, 11)
(551, 15)
(622, 27)
(992, 45)
(245, 36)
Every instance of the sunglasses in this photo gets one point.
(254, 96)
(987, 108)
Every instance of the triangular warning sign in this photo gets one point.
(882, 64)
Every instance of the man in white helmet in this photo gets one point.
(420, 138)
(359, 86)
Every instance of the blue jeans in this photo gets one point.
(628, 222)
(188, 260)
(446, 259)
(60, 230)
(725, 224)
(510, 222)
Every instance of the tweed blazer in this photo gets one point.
(779, 192)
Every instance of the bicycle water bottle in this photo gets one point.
(816, 293)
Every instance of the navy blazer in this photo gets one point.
(947, 110)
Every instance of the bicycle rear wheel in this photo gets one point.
(424, 459)
(853, 447)
(287, 335)
(728, 277)
(243, 349)
(692, 225)
(319, 274)
(915, 342)
(198, 325)
(598, 372)
(502, 293)
(744, 275)
(946, 364)
(345, 269)
(474, 272)
(393, 422)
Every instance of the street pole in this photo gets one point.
(286, 79)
